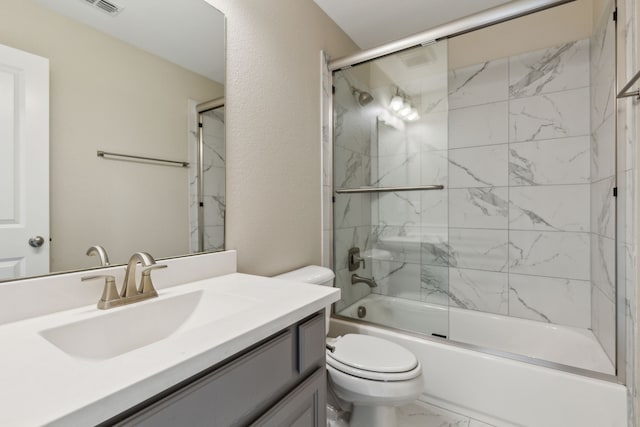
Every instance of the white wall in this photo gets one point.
(273, 130)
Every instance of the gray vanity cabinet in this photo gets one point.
(279, 382)
(301, 407)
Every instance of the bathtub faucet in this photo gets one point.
(359, 279)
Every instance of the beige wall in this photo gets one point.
(569, 22)
(107, 95)
(273, 130)
(598, 9)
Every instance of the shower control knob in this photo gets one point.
(36, 242)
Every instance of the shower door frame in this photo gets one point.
(461, 26)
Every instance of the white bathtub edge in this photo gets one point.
(489, 388)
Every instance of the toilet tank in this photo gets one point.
(315, 275)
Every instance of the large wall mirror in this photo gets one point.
(135, 77)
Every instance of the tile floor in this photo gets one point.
(420, 414)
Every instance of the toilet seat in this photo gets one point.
(372, 358)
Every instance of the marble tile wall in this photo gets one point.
(603, 171)
(192, 146)
(512, 233)
(519, 178)
(214, 179)
(626, 212)
(214, 182)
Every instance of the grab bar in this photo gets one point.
(388, 189)
(624, 94)
(151, 159)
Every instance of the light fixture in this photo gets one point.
(405, 110)
(401, 107)
(396, 103)
(413, 115)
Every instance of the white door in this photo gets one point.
(24, 164)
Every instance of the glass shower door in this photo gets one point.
(517, 253)
(391, 204)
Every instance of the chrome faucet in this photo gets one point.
(129, 287)
(101, 252)
(130, 292)
(359, 279)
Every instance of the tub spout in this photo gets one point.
(359, 279)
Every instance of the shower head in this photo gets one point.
(362, 97)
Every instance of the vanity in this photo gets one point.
(279, 382)
(216, 347)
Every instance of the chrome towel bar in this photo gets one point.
(388, 189)
(624, 94)
(150, 159)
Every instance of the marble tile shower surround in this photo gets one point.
(214, 179)
(192, 143)
(603, 164)
(626, 212)
(512, 233)
(214, 183)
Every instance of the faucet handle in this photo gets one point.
(146, 285)
(109, 293)
(355, 259)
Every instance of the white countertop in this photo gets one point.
(41, 384)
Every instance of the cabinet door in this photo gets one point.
(231, 395)
(305, 406)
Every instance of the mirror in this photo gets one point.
(129, 77)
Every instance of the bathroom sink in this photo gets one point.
(111, 333)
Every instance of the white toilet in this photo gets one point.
(374, 374)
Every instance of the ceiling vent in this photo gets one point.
(412, 58)
(106, 6)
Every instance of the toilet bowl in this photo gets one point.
(373, 374)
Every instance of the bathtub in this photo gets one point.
(559, 344)
(499, 390)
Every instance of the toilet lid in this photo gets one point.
(372, 354)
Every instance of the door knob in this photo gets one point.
(36, 242)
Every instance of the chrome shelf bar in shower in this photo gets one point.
(149, 159)
(388, 189)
